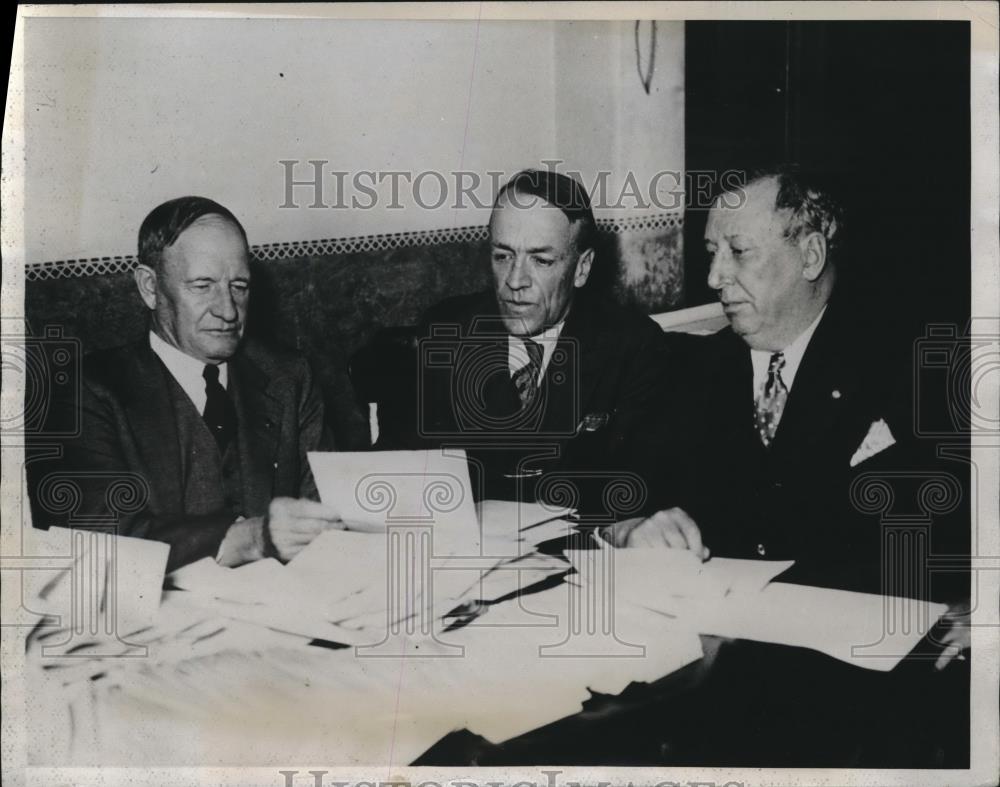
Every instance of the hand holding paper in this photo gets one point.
(293, 524)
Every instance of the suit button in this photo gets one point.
(761, 550)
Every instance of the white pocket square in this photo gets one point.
(879, 438)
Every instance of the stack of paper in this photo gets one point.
(268, 699)
(416, 548)
(107, 585)
(737, 599)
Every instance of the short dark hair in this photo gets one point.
(562, 191)
(813, 206)
(165, 223)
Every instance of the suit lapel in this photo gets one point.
(258, 429)
(733, 393)
(486, 364)
(151, 419)
(579, 343)
(825, 384)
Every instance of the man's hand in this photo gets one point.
(671, 528)
(958, 637)
(291, 524)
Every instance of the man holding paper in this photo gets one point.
(789, 441)
(790, 414)
(195, 436)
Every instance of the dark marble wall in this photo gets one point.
(329, 306)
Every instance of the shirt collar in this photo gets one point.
(187, 371)
(793, 353)
(517, 354)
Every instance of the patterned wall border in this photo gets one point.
(101, 266)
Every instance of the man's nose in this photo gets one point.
(224, 305)
(517, 276)
(718, 270)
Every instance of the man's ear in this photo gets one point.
(583, 263)
(813, 248)
(145, 280)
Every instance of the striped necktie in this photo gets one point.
(771, 401)
(525, 379)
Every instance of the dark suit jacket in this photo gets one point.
(128, 427)
(600, 389)
(800, 498)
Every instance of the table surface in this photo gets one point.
(742, 704)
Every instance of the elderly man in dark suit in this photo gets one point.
(787, 411)
(538, 373)
(211, 429)
(787, 423)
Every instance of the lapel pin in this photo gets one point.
(835, 393)
(594, 421)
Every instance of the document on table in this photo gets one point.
(863, 629)
(534, 647)
(374, 489)
(737, 599)
(102, 574)
(511, 529)
(655, 577)
(266, 593)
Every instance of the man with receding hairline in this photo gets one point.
(215, 427)
(781, 416)
(787, 407)
(541, 372)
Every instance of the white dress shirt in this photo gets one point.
(187, 371)
(517, 353)
(793, 353)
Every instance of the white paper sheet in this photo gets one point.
(119, 577)
(375, 489)
(653, 577)
(863, 629)
(266, 593)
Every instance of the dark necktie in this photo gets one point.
(526, 378)
(771, 401)
(219, 415)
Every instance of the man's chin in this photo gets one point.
(741, 322)
(743, 328)
(520, 326)
(221, 348)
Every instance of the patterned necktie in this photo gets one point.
(771, 401)
(219, 415)
(526, 378)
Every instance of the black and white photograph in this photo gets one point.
(468, 394)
